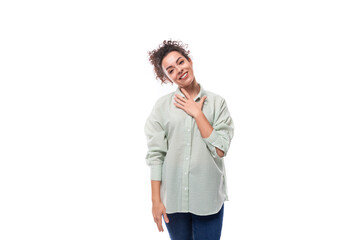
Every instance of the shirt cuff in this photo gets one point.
(155, 172)
(212, 138)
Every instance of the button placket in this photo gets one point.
(186, 166)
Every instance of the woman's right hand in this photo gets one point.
(158, 209)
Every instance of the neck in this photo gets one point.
(193, 89)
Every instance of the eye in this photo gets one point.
(181, 62)
(170, 71)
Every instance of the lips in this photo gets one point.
(183, 76)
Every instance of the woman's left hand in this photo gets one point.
(188, 104)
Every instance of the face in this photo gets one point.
(178, 69)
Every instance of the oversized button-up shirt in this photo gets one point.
(192, 174)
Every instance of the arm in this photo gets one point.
(158, 208)
(223, 130)
(157, 149)
(155, 191)
(206, 129)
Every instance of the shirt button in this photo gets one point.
(185, 173)
(188, 129)
(188, 144)
(187, 158)
(185, 188)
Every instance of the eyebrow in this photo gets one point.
(171, 65)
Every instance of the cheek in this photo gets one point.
(168, 75)
(171, 78)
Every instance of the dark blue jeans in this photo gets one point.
(188, 226)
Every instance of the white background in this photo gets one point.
(76, 87)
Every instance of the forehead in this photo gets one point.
(170, 58)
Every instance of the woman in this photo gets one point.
(188, 135)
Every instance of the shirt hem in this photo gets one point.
(199, 214)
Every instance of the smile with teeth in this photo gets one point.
(184, 76)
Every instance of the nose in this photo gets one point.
(179, 70)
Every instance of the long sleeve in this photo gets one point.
(223, 131)
(156, 142)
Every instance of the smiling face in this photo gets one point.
(178, 69)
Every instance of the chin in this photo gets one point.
(185, 83)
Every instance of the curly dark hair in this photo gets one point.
(157, 55)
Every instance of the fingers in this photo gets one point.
(159, 211)
(203, 99)
(179, 105)
(158, 222)
(166, 217)
(185, 93)
(179, 100)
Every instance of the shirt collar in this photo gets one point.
(199, 96)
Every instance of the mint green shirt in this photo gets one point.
(192, 175)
